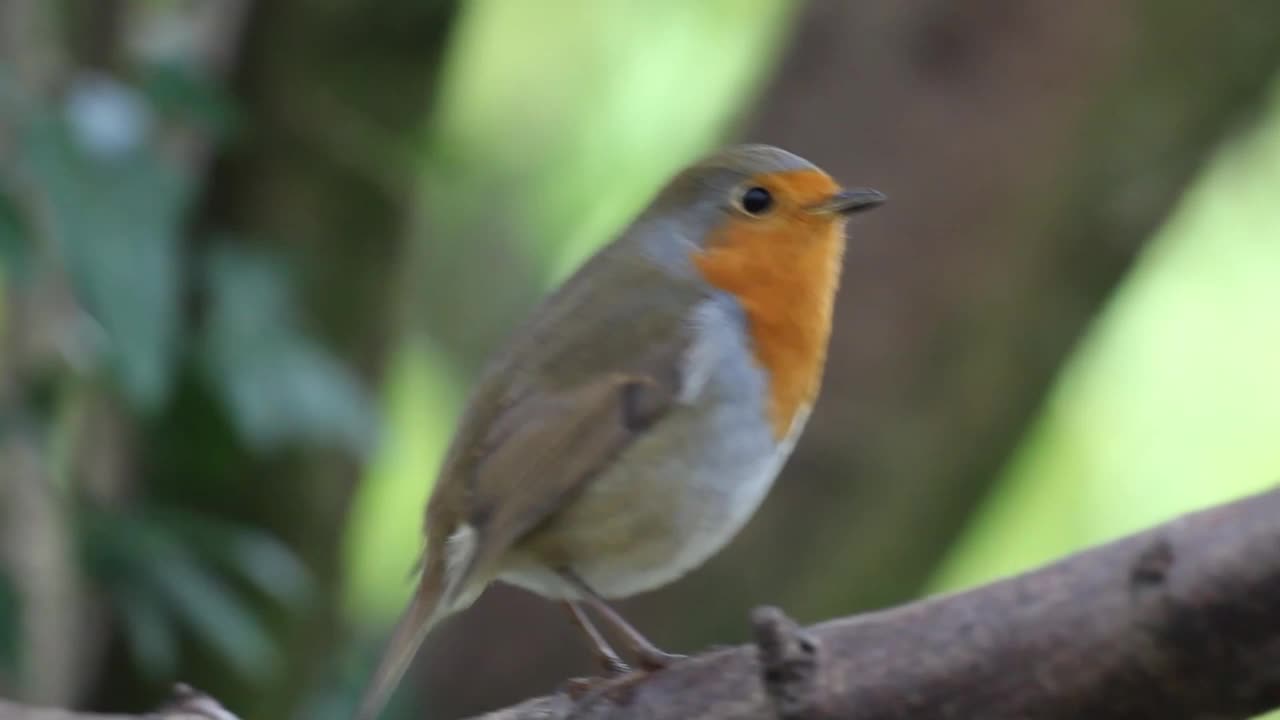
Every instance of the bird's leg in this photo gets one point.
(649, 656)
(613, 664)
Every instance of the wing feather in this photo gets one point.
(538, 433)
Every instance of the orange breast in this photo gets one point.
(784, 269)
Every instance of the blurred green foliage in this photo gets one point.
(13, 252)
(115, 212)
(9, 633)
(167, 570)
(96, 190)
(280, 386)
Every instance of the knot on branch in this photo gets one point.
(1153, 564)
(789, 665)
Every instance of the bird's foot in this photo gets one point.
(614, 666)
(579, 687)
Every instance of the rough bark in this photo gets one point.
(1177, 622)
(1180, 621)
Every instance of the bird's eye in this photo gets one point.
(756, 200)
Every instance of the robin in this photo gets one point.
(639, 417)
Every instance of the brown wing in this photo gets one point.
(544, 462)
(543, 426)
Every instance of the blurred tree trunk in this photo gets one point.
(333, 96)
(1028, 150)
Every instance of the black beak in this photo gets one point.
(848, 202)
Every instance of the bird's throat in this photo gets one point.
(786, 286)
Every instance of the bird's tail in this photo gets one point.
(423, 613)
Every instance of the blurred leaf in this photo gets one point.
(264, 562)
(116, 219)
(15, 255)
(180, 92)
(116, 555)
(270, 567)
(210, 609)
(9, 628)
(151, 634)
(280, 386)
(13, 97)
(158, 583)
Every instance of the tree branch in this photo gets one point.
(1179, 621)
